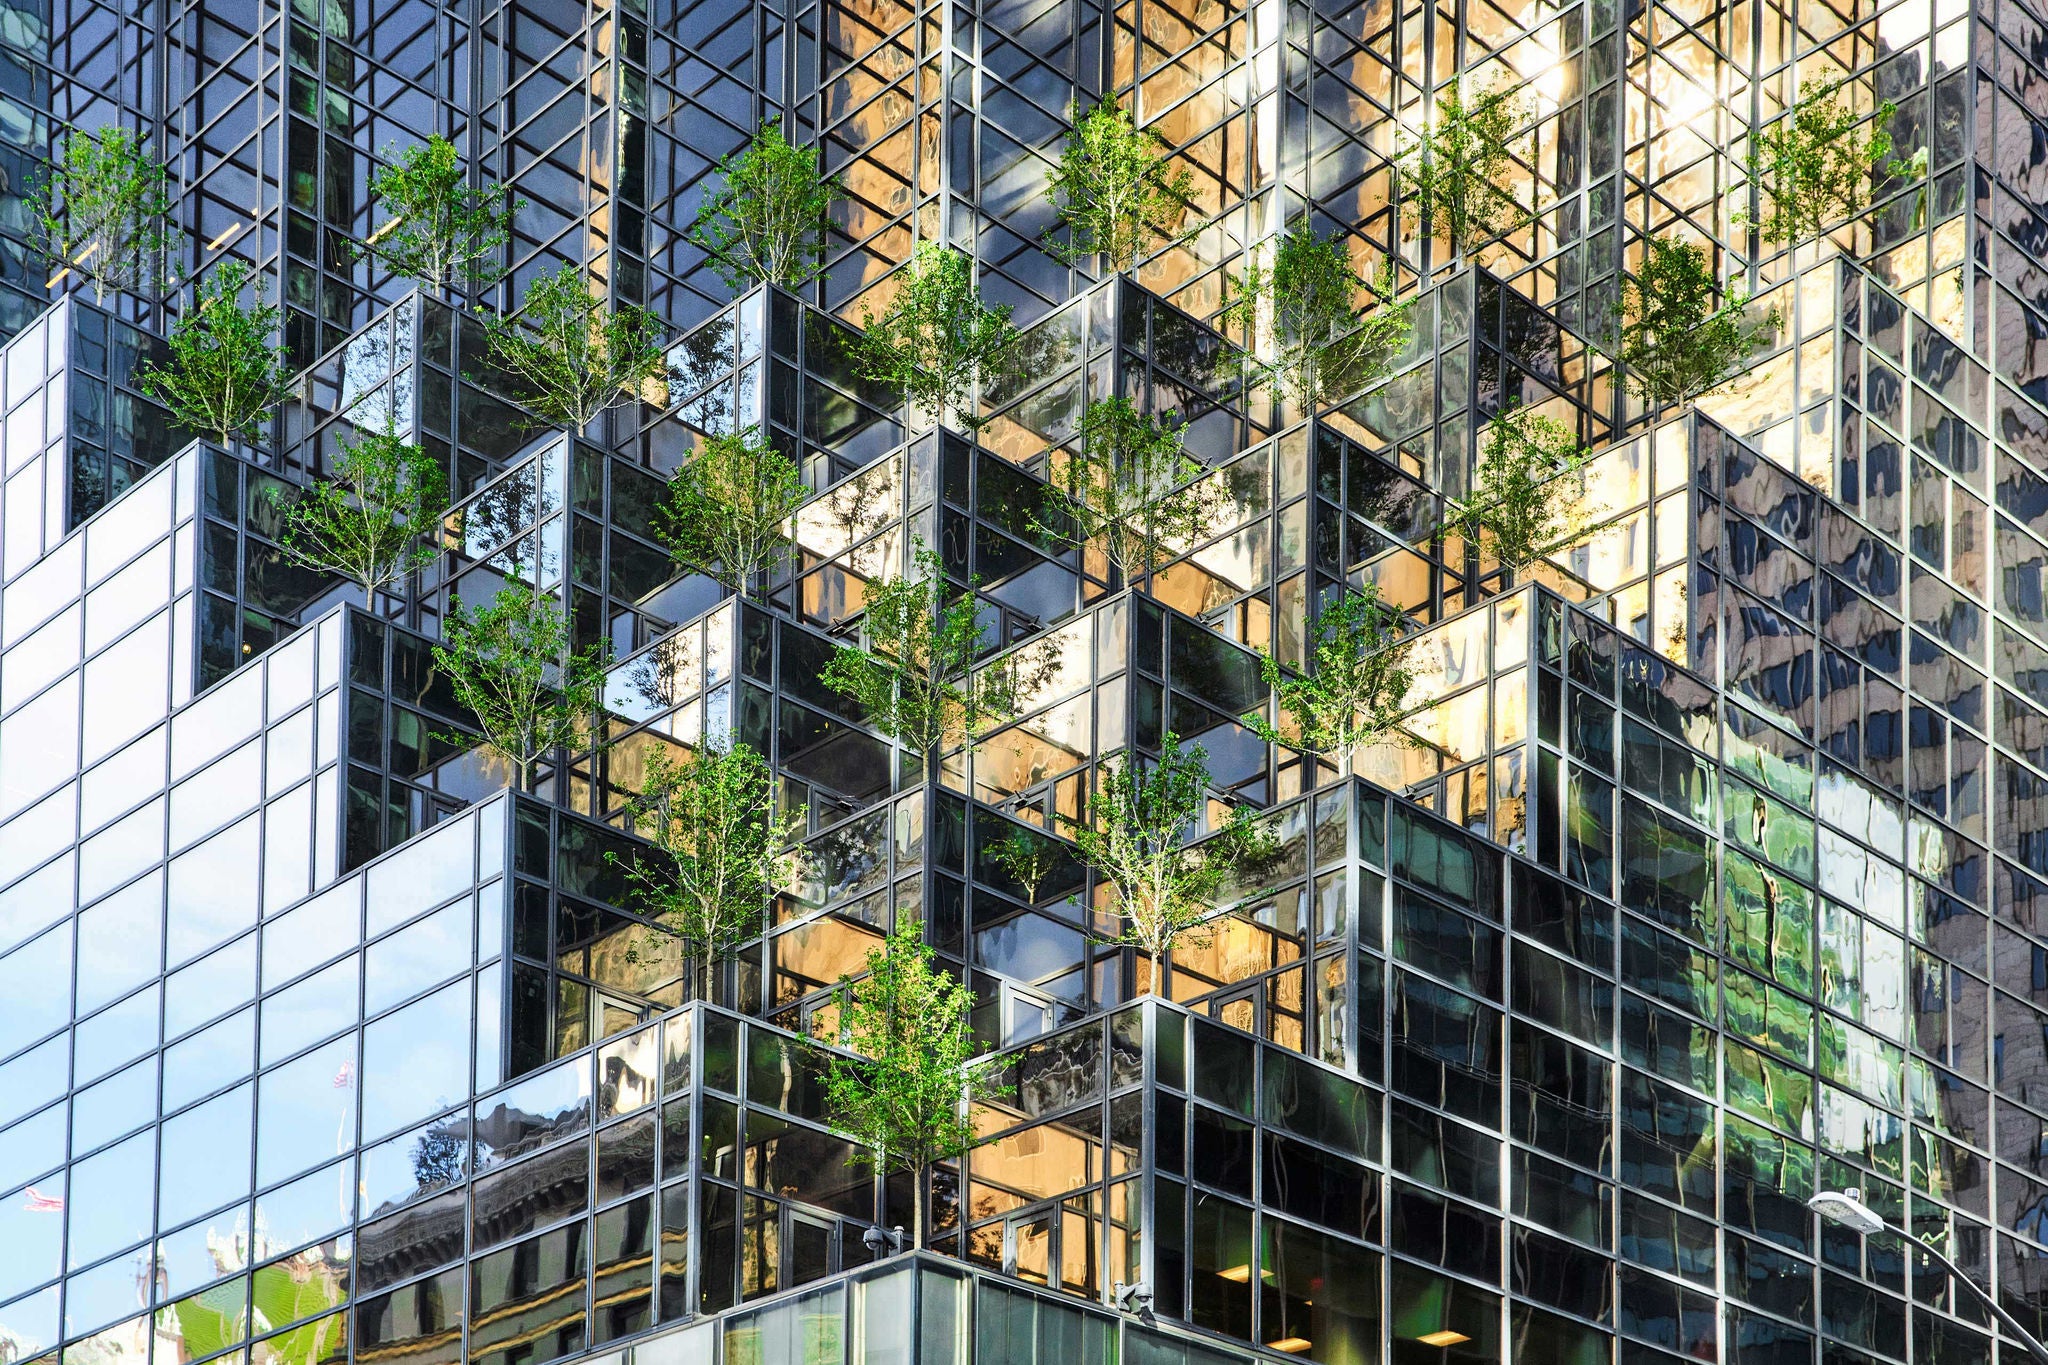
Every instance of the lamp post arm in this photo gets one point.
(2005, 1319)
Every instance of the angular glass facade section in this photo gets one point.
(1701, 868)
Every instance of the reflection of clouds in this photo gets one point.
(416, 1060)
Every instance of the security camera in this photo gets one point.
(881, 1242)
(1135, 1298)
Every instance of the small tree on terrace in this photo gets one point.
(936, 343)
(727, 509)
(577, 356)
(1135, 833)
(1810, 168)
(766, 223)
(511, 665)
(915, 678)
(721, 852)
(1302, 310)
(103, 209)
(1457, 176)
(223, 374)
(905, 1094)
(1528, 498)
(1116, 191)
(1129, 488)
(439, 229)
(369, 524)
(1675, 340)
(1358, 687)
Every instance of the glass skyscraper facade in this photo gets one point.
(1706, 871)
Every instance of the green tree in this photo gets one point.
(1134, 834)
(223, 374)
(369, 524)
(577, 356)
(511, 664)
(1676, 341)
(1027, 855)
(1115, 188)
(1527, 498)
(725, 512)
(439, 229)
(914, 679)
(721, 851)
(936, 343)
(904, 1095)
(766, 222)
(1457, 178)
(103, 209)
(1358, 688)
(1131, 488)
(1810, 168)
(1302, 310)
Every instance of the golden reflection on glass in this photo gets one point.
(1022, 756)
(858, 508)
(817, 953)
(1042, 1161)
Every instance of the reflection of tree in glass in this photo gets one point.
(1038, 353)
(494, 516)
(652, 675)
(436, 1159)
(694, 362)
(1028, 856)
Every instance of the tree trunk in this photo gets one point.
(918, 1174)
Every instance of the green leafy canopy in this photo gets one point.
(915, 679)
(576, 356)
(103, 209)
(1527, 498)
(1457, 177)
(1358, 687)
(439, 229)
(726, 512)
(936, 343)
(1131, 488)
(1115, 188)
(1301, 311)
(1811, 168)
(765, 224)
(1135, 835)
(511, 664)
(1029, 856)
(721, 851)
(222, 374)
(370, 523)
(905, 1095)
(1675, 340)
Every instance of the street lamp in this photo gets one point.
(1847, 1209)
